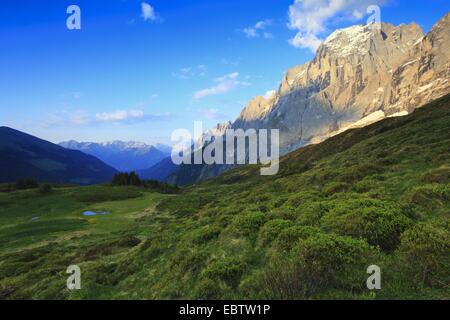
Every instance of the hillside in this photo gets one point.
(160, 171)
(374, 195)
(25, 156)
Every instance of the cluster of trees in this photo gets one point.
(28, 183)
(25, 184)
(120, 179)
(126, 179)
(133, 179)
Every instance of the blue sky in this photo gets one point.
(138, 71)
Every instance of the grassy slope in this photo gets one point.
(377, 195)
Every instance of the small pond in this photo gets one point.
(93, 213)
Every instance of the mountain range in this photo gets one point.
(360, 75)
(25, 156)
(123, 156)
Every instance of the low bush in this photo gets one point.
(311, 213)
(271, 230)
(248, 224)
(426, 251)
(379, 222)
(45, 189)
(336, 187)
(228, 270)
(204, 235)
(288, 237)
(318, 263)
(427, 195)
(440, 175)
(208, 289)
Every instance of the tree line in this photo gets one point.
(133, 179)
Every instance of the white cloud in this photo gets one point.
(131, 116)
(223, 85)
(312, 18)
(262, 24)
(307, 40)
(67, 118)
(212, 114)
(81, 118)
(148, 12)
(190, 72)
(269, 94)
(258, 30)
(119, 115)
(229, 62)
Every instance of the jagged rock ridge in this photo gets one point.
(360, 74)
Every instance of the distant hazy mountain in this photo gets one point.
(359, 75)
(159, 171)
(124, 156)
(167, 150)
(25, 156)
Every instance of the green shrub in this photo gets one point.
(319, 263)
(331, 260)
(283, 214)
(288, 237)
(426, 250)
(281, 280)
(248, 224)
(358, 172)
(428, 198)
(300, 198)
(336, 187)
(253, 287)
(379, 222)
(45, 189)
(440, 175)
(366, 185)
(271, 230)
(228, 270)
(204, 234)
(208, 289)
(310, 213)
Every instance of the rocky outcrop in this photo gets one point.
(360, 75)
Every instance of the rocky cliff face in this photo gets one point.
(359, 75)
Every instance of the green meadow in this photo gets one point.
(379, 195)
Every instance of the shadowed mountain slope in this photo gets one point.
(25, 156)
